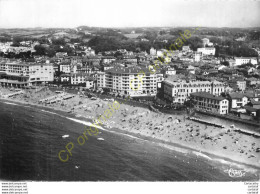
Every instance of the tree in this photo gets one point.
(150, 35)
(194, 42)
(246, 65)
(162, 32)
(117, 54)
(59, 41)
(40, 50)
(50, 52)
(176, 32)
(217, 51)
(216, 40)
(16, 41)
(226, 63)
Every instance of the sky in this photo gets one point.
(129, 13)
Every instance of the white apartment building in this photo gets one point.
(65, 68)
(237, 100)
(207, 50)
(205, 41)
(82, 78)
(152, 51)
(108, 59)
(25, 74)
(179, 91)
(165, 54)
(186, 49)
(68, 68)
(245, 60)
(241, 85)
(130, 81)
(170, 71)
(196, 56)
(207, 102)
(90, 52)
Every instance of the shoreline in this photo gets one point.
(177, 147)
(117, 121)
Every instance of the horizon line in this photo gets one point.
(124, 27)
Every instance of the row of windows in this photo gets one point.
(211, 101)
(191, 90)
(191, 86)
(210, 109)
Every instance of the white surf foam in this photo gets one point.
(239, 166)
(132, 136)
(49, 112)
(11, 103)
(177, 149)
(201, 155)
(90, 124)
(86, 123)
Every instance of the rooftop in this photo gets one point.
(253, 102)
(129, 70)
(236, 95)
(207, 95)
(245, 57)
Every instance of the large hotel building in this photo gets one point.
(19, 74)
(132, 81)
(179, 91)
(207, 102)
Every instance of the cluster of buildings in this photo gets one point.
(176, 76)
(26, 46)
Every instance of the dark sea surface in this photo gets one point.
(31, 138)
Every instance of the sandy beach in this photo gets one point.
(175, 129)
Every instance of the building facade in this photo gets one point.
(130, 81)
(237, 100)
(204, 101)
(25, 74)
(179, 91)
(196, 56)
(79, 78)
(245, 60)
(207, 50)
